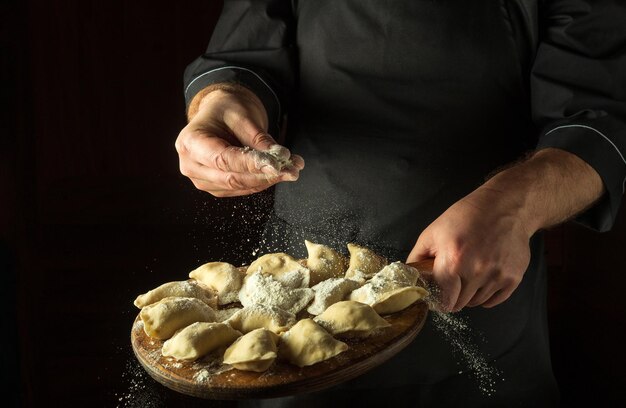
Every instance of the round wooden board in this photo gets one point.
(208, 378)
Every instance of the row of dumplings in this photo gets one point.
(273, 290)
(328, 277)
(252, 335)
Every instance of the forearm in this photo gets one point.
(547, 189)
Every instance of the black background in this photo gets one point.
(93, 211)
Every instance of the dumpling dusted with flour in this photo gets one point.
(387, 295)
(199, 339)
(264, 289)
(257, 316)
(307, 343)
(324, 262)
(351, 319)
(176, 289)
(330, 291)
(284, 268)
(399, 272)
(222, 277)
(254, 351)
(163, 318)
(364, 263)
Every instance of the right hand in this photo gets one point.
(223, 149)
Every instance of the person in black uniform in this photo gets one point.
(456, 130)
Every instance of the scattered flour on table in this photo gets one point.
(457, 332)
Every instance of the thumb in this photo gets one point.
(247, 130)
(252, 135)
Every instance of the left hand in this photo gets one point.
(481, 250)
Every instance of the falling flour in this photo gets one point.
(457, 332)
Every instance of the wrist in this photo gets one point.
(499, 199)
(207, 97)
(548, 188)
(510, 194)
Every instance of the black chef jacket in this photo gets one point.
(400, 108)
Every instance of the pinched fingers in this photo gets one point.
(216, 153)
(228, 184)
(297, 162)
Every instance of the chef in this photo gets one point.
(453, 130)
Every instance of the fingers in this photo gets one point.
(224, 170)
(483, 294)
(450, 286)
(246, 130)
(228, 184)
(459, 282)
(217, 153)
(478, 287)
(297, 162)
(467, 293)
(499, 296)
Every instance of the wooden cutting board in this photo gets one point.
(208, 378)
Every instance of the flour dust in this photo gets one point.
(246, 227)
(464, 341)
(141, 389)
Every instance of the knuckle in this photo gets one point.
(184, 136)
(184, 169)
(219, 161)
(178, 145)
(233, 183)
(197, 184)
(261, 138)
(218, 194)
(455, 257)
(509, 278)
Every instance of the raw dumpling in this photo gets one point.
(307, 343)
(330, 291)
(177, 289)
(258, 316)
(284, 268)
(222, 277)
(199, 339)
(221, 315)
(163, 318)
(324, 262)
(351, 319)
(264, 289)
(388, 296)
(255, 351)
(364, 263)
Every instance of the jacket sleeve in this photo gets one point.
(252, 45)
(578, 86)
